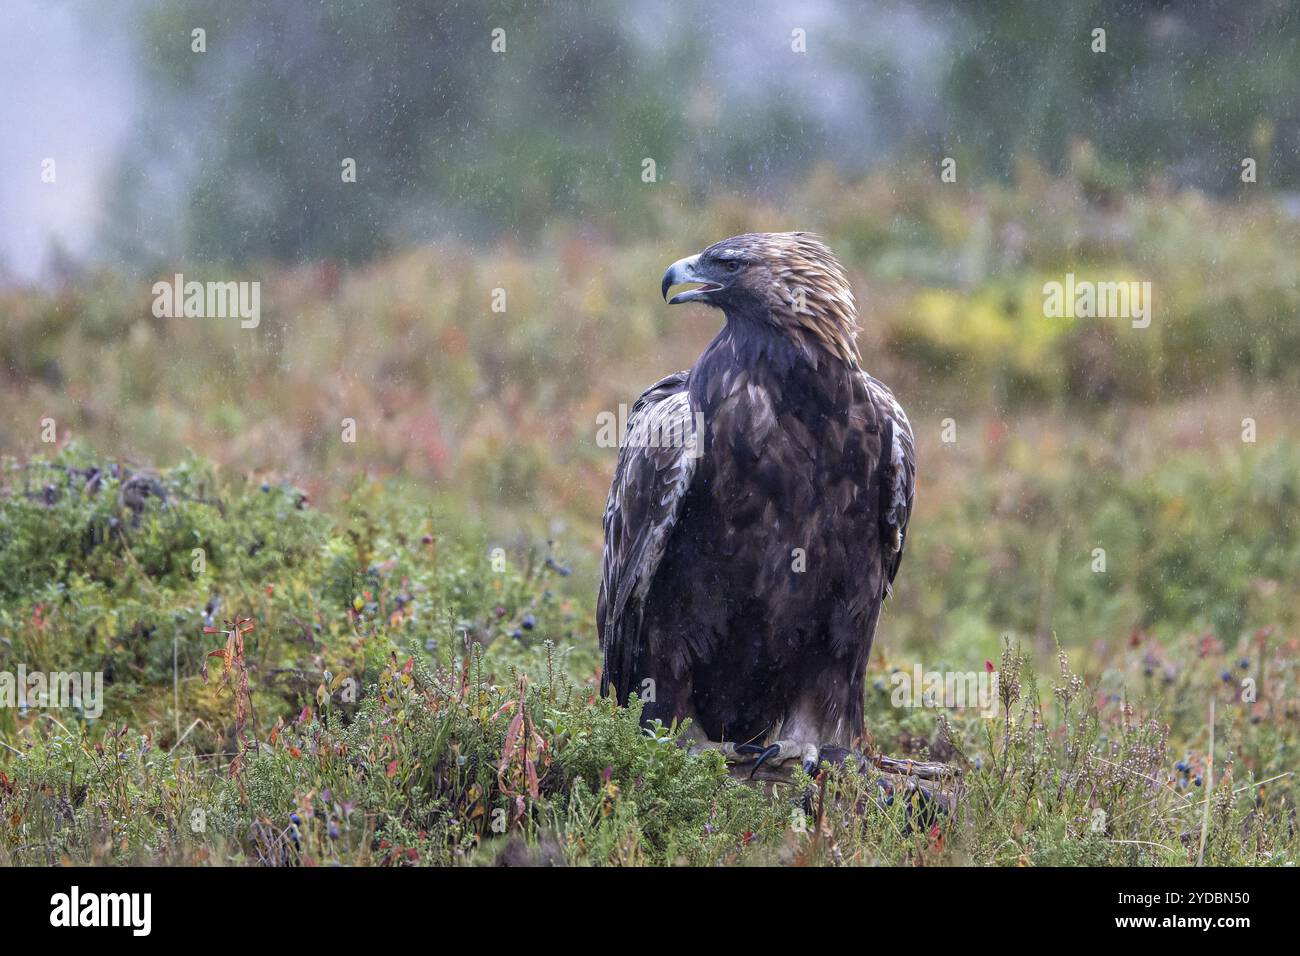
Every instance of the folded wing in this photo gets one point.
(656, 465)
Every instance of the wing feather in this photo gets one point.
(898, 465)
(656, 465)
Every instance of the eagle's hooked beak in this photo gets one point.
(687, 270)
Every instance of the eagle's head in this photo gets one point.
(787, 280)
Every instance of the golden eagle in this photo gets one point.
(757, 514)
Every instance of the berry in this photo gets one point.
(529, 622)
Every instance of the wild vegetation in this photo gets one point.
(419, 682)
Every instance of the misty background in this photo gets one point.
(234, 155)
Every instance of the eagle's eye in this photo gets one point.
(733, 265)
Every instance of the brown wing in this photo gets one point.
(898, 464)
(655, 467)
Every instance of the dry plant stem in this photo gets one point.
(1209, 789)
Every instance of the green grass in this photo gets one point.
(414, 698)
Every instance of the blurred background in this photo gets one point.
(233, 155)
(523, 170)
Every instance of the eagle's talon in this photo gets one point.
(812, 759)
(815, 756)
(773, 751)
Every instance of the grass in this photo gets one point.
(408, 697)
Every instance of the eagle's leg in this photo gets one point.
(782, 750)
(808, 733)
(777, 752)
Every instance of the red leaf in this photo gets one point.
(392, 769)
(534, 785)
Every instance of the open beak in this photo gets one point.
(682, 271)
